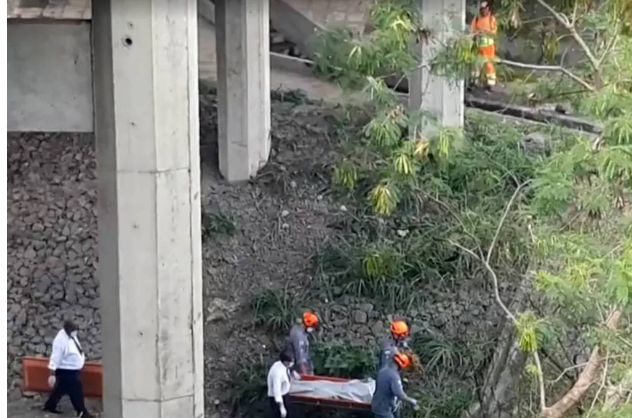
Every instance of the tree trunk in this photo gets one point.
(506, 369)
(589, 375)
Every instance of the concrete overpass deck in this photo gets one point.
(49, 9)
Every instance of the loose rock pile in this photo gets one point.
(51, 237)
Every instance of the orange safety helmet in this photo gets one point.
(399, 329)
(310, 320)
(402, 360)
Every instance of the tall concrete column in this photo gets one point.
(243, 79)
(146, 91)
(437, 95)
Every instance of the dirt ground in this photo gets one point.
(281, 217)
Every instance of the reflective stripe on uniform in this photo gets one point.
(482, 41)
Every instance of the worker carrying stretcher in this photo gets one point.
(393, 345)
(484, 28)
(389, 390)
(298, 343)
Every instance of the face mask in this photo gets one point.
(73, 334)
(310, 330)
(289, 365)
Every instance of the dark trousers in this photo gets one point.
(392, 414)
(68, 382)
(274, 407)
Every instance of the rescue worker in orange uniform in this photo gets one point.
(484, 28)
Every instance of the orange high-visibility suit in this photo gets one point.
(485, 29)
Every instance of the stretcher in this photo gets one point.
(333, 392)
(323, 391)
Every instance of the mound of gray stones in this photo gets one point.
(51, 239)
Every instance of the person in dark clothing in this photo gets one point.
(65, 364)
(389, 390)
(298, 342)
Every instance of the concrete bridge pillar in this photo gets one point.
(437, 95)
(243, 78)
(147, 135)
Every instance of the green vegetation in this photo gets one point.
(275, 309)
(436, 202)
(214, 224)
(430, 206)
(249, 387)
(342, 359)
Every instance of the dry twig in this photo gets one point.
(557, 68)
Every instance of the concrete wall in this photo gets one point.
(49, 76)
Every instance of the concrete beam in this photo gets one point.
(436, 95)
(49, 76)
(206, 9)
(285, 18)
(243, 74)
(146, 89)
(295, 26)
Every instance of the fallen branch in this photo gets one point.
(454, 215)
(485, 260)
(529, 113)
(492, 273)
(617, 393)
(538, 364)
(502, 220)
(577, 366)
(498, 391)
(604, 379)
(557, 68)
(593, 366)
(586, 378)
(570, 26)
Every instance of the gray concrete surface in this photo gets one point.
(430, 93)
(294, 25)
(49, 9)
(49, 76)
(243, 93)
(149, 236)
(283, 75)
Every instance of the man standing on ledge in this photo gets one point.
(485, 29)
(65, 364)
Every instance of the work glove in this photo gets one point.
(414, 403)
(51, 381)
(283, 411)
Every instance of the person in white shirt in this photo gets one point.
(65, 364)
(279, 379)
